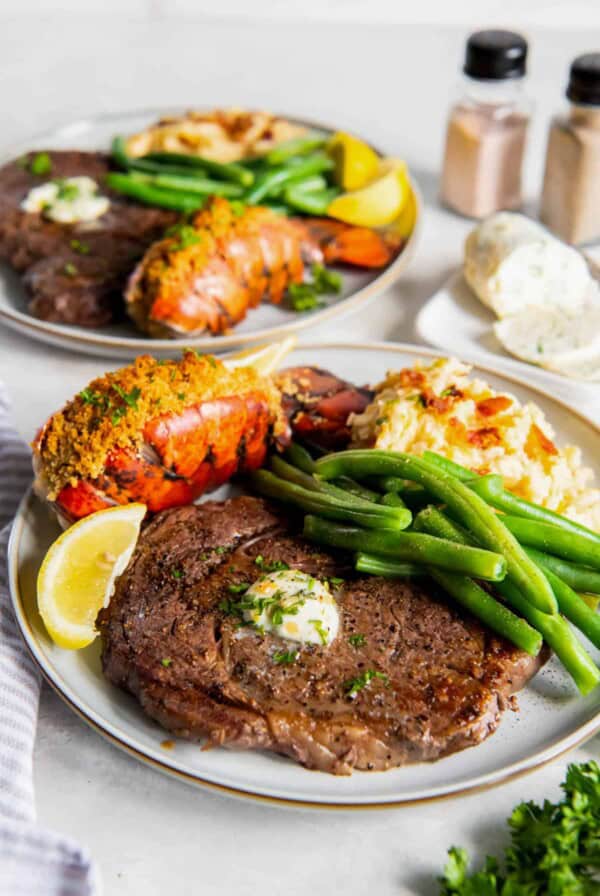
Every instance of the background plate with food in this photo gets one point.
(263, 213)
(552, 716)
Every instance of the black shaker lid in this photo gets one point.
(584, 80)
(495, 55)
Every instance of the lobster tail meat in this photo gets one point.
(204, 275)
(319, 404)
(161, 433)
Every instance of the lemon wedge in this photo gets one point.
(78, 573)
(355, 162)
(377, 204)
(264, 358)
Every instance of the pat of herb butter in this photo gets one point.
(293, 605)
(67, 200)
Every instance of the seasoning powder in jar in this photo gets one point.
(487, 127)
(571, 192)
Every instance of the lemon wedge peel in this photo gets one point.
(380, 202)
(77, 576)
(355, 162)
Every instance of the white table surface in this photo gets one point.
(152, 835)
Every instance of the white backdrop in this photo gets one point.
(516, 13)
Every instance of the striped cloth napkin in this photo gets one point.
(33, 861)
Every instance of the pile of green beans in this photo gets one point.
(404, 517)
(293, 178)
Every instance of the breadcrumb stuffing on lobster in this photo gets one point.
(113, 410)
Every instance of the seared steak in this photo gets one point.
(200, 675)
(74, 273)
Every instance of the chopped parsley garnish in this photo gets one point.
(130, 398)
(70, 269)
(357, 640)
(40, 164)
(285, 657)
(270, 565)
(275, 605)
(306, 296)
(221, 549)
(335, 581)
(186, 236)
(66, 191)
(354, 685)
(166, 662)
(211, 360)
(79, 247)
(320, 630)
(88, 396)
(239, 588)
(177, 572)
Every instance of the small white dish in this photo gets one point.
(456, 321)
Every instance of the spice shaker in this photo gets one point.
(571, 192)
(487, 127)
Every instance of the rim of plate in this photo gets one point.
(120, 738)
(81, 339)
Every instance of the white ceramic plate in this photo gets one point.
(123, 340)
(552, 718)
(455, 320)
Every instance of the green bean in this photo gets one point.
(150, 195)
(384, 566)
(308, 202)
(392, 499)
(300, 457)
(579, 578)
(592, 600)
(554, 540)
(313, 184)
(575, 609)
(553, 628)
(327, 505)
(231, 171)
(146, 167)
(298, 146)
(471, 510)
(449, 466)
(293, 474)
(315, 484)
(492, 490)
(557, 634)
(277, 177)
(119, 152)
(412, 546)
(202, 185)
(355, 488)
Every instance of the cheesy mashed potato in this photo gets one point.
(439, 407)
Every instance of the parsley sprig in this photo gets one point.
(555, 848)
(270, 565)
(307, 296)
(355, 685)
